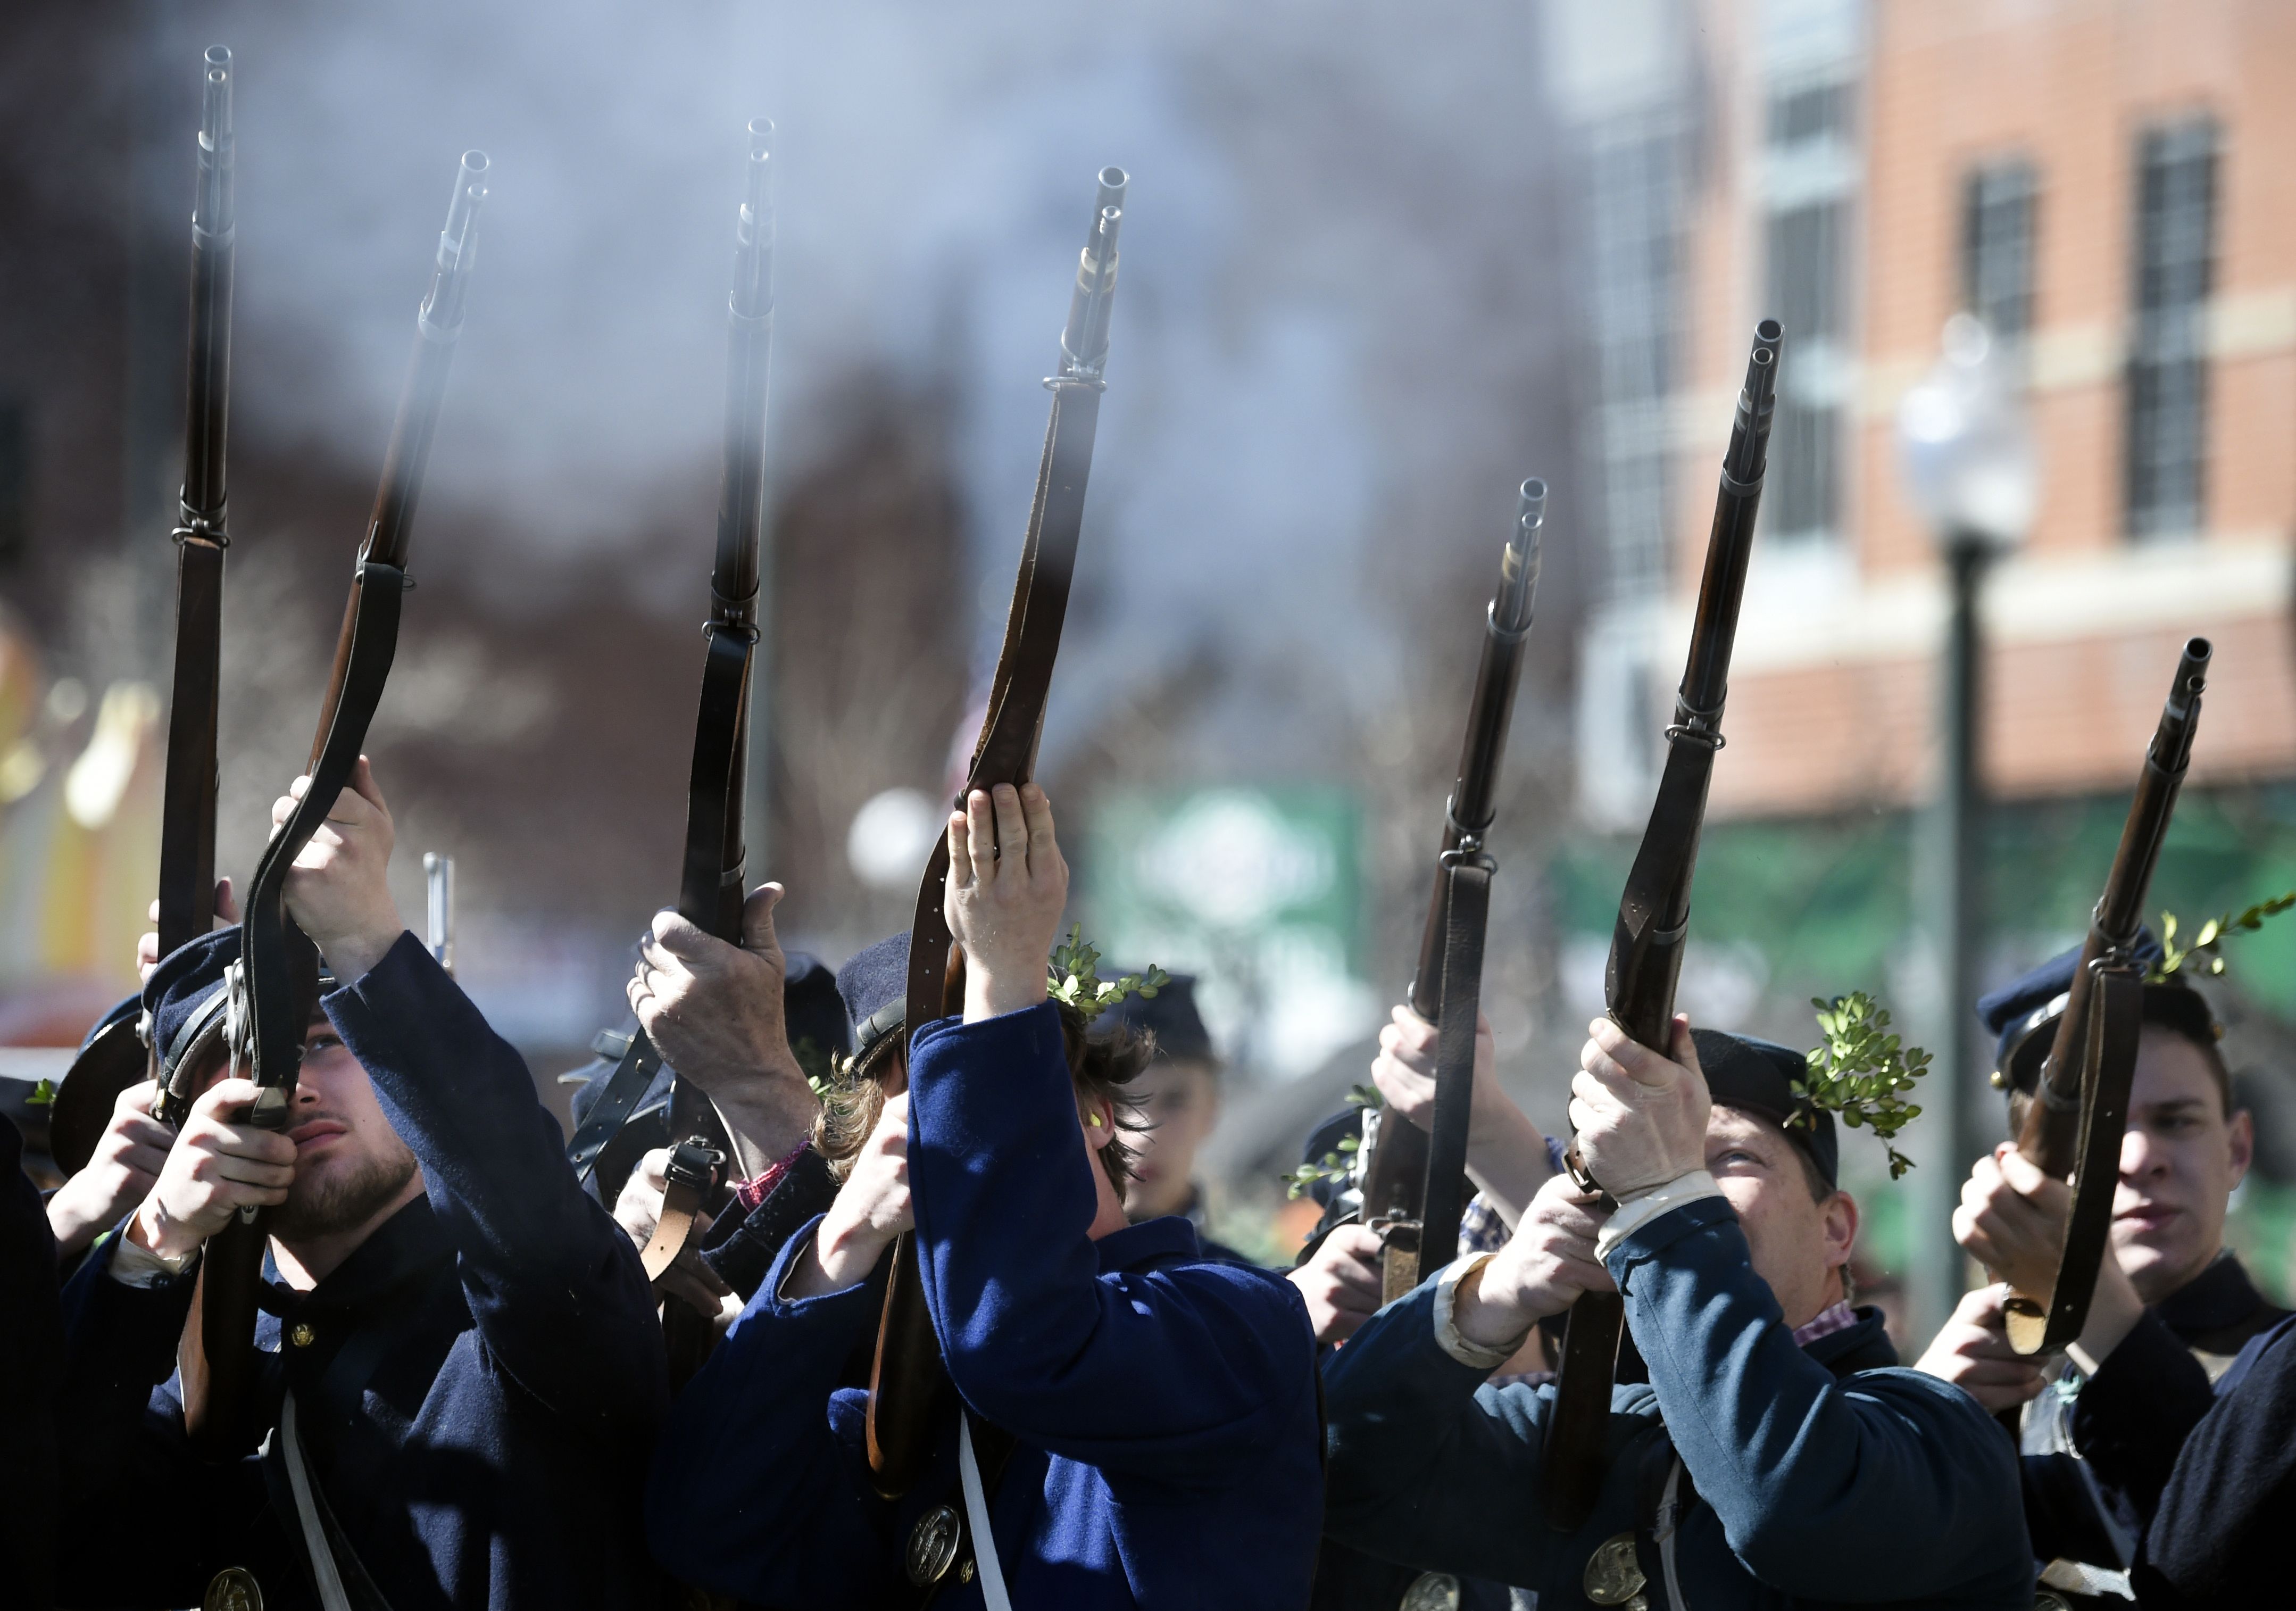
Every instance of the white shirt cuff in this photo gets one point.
(133, 1266)
(1639, 1210)
(1447, 1329)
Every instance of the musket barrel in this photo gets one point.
(438, 325)
(750, 311)
(1084, 339)
(458, 244)
(2050, 1130)
(207, 406)
(1473, 792)
(1706, 675)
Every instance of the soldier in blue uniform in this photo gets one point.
(1176, 1105)
(1774, 1457)
(463, 1343)
(2173, 1307)
(1161, 1405)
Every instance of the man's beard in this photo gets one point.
(323, 1204)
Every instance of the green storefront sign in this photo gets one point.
(1257, 890)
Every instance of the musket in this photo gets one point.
(275, 983)
(710, 885)
(908, 1388)
(1415, 1179)
(117, 1057)
(2073, 1127)
(1653, 922)
(438, 914)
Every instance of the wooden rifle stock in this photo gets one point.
(909, 1390)
(1654, 913)
(2072, 1126)
(117, 1058)
(276, 981)
(1415, 1179)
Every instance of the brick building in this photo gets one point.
(2111, 186)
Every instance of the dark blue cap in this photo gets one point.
(874, 984)
(811, 1006)
(185, 992)
(1758, 1076)
(1169, 1015)
(2023, 1014)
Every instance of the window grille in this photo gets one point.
(2166, 457)
(1999, 204)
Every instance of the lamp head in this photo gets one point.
(1966, 444)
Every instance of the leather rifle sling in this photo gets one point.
(906, 1382)
(1469, 899)
(2108, 1070)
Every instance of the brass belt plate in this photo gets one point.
(932, 1545)
(233, 1589)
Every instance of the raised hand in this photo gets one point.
(638, 1210)
(125, 1167)
(871, 1209)
(714, 1011)
(1506, 1154)
(2013, 1219)
(1972, 1351)
(218, 1167)
(1544, 1268)
(1007, 886)
(1341, 1283)
(1640, 1117)
(338, 891)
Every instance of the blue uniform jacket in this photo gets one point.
(31, 1351)
(1811, 1487)
(1163, 1403)
(480, 1384)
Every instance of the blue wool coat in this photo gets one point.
(480, 1387)
(31, 1351)
(1163, 1403)
(1815, 1482)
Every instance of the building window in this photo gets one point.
(1997, 248)
(2168, 360)
(1636, 182)
(1810, 183)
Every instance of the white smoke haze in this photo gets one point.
(1329, 335)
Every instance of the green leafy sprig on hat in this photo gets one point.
(2205, 955)
(43, 1094)
(1074, 978)
(1862, 1072)
(1337, 1165)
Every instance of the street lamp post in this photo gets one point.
(1971, 472)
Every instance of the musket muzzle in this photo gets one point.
(1518, 566)
(753, 235)
(1750, 438)
(2179, 716)
(211, 211)
(1084, 342)
(458, 247)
